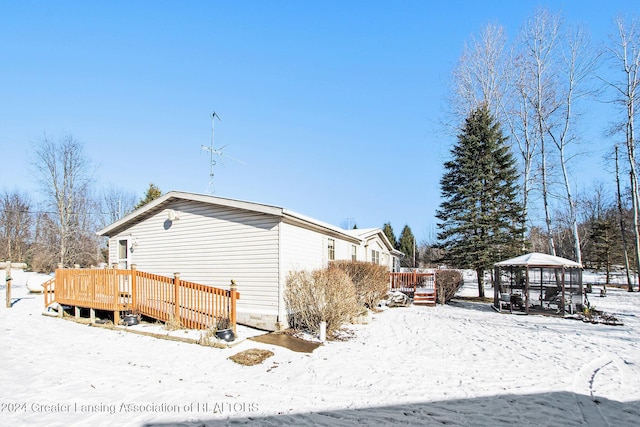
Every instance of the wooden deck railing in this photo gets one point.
(420, 286)
(163, 298)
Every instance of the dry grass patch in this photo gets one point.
(173, 324)
(251, 357)
(208, 339)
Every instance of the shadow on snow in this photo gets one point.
(554, 408)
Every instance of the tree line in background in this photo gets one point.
(61, 229)
(516, 108)
(535, 88)
(527, 96)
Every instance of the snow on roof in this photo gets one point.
(166, 199)
(536, 259)
(360, 232)
(366, 233)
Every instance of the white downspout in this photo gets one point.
(282, 321)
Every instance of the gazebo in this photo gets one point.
(538, 283)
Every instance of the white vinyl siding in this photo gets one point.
(212, 244)
(302, 249)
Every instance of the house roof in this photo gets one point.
(167, 199)
(536, 259)
(369, 233)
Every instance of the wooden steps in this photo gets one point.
(424, 297)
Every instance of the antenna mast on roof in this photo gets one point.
(213, 151)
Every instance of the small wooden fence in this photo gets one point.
(420, 286)
(163, 298)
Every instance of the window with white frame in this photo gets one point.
(331, 246)
(354, 253)
(375, 256)
(123, 254)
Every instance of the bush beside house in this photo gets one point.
(371, 281)
(448, 283)
(326, 295)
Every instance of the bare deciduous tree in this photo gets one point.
(480, 76)
(576, 67)
(117, 203)
(518, 116)
(63, 171)
(539, 40)
(624, 57)
(621, 222)
(15, 226)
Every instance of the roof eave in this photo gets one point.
(175, 195)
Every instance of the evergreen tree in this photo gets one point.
(407, 245)
(603, 238)
(153, 192)
(480, 216)
(388, 231)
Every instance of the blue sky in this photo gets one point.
(334, 107)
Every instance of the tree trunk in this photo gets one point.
(636, 231)
(623, 230)
(480, 275)
(545, 200)
(572, 210)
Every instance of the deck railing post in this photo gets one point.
(116, 296)
(233, 295)
(8, 288)
(58, 291)
(435, 288)
(176, 298)
(134, 286)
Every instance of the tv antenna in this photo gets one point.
(212, 152)
(215, 154)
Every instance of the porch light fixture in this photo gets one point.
(173, 215)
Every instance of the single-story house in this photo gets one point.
(212, 240)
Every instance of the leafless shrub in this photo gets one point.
(174, 323)
(322, 295)
(448, 283)
(371, 281)
(208, 338)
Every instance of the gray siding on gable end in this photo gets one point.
(302, 249)
(305, 249)
(212, 244)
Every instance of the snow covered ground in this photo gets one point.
(462, 364)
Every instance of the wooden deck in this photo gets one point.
(419, 286)
(194, 305)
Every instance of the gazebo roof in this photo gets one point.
(536, 259)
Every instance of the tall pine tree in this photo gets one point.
(153, 192)
(407, 245)
(480, 215)
(387, 229)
